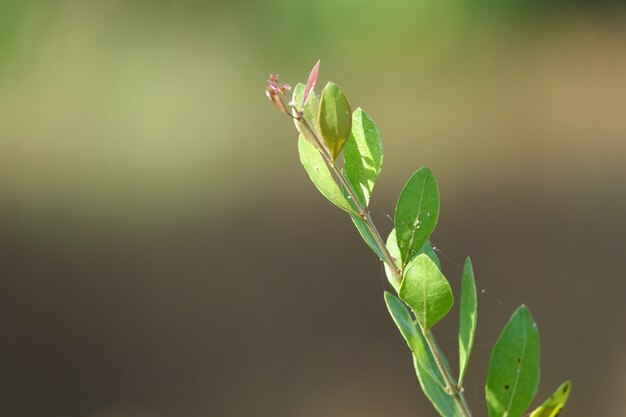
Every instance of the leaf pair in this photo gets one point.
(363, 155)
(309, 150)
(427, 292)
(334, 116)
(428, 373)
(329, 116)
(363, 159)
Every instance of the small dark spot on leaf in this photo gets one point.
(565, 388)
(519, 360)
(506, 387)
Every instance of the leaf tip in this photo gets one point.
(310, 83)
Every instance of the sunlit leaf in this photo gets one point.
(321, 176)
(426, 291)
(552, 406)
(416, 213)
(392, 247)
(363, 155)
(468, 317)
(513, 375)
(310, 112)
(335, 118)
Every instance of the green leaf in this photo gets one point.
(427, 248)
(335, 118)
(363, 155)
(553, 405)
(320, 174)
(469, 316)
(392, 247)
(405, 323)
(366, 234)
(513, 374)
(362, 227)
(417, 212)
(310, 112)
(426, 291)
(428, 374)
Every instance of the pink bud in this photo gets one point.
(277, 100)
(310, 83)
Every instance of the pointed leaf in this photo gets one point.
(553, 405)
(363, 155)
(426, 291)
(335, 118)
(417, 212)
(428, 374)
(469, 316)
(310, 83)
(321, 176)
(513, 374)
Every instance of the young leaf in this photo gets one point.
(428, 374)
(426, 291)
(513, 374)
(417, 212)
(363, 155)
(319, 173)
(553, 405)
(310, 83)
(335, 118)
(469, 315)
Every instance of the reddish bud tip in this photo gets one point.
(310, 83)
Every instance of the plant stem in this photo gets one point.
(363, 211)
(452, 389)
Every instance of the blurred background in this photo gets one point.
(163, 253)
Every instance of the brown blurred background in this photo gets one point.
(162, 252)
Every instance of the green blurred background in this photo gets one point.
(162, 252)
